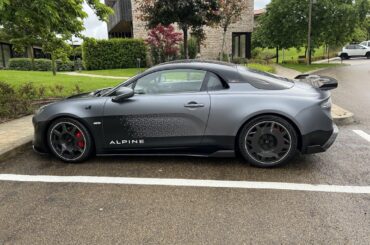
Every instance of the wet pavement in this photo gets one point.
(75, 213)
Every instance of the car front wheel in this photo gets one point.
(69, 140)
(268, 141)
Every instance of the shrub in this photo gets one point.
(42, 64)
(22, 64)
(25, 64)
(163, 42)
(192, 48)
(65, 65)
(113, 53)
(15, 103)
(239, 60)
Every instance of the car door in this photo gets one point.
(169, 109)
(359, 50)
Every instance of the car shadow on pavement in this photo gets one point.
(164, 167)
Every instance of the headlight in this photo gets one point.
(326, 104)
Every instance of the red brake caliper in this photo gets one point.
(80, 142)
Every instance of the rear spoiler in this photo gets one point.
(321, 82)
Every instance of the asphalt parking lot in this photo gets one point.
(75, 213)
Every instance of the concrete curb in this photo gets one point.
(342, 116)
(13, 150)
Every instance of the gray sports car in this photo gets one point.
(197, 108)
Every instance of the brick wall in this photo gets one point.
(213, 41)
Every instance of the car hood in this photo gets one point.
(82, 95)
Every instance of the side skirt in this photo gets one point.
(217, 154)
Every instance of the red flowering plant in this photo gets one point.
(164, 43)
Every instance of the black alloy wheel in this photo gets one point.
(268, 141)
(69, 140)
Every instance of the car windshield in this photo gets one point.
(126, 83)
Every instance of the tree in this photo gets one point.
(164, 43)
(188, 14)
(42, 21)
(284, 25)
(230, 13)
(57, 48)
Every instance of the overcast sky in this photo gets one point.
(98, 29)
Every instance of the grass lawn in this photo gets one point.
(17, 78)
(305, 68)
(293, 53)
(265, 68)
(128, 72)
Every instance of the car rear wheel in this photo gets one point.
(268, 141)
(368, 55)
(69, 140)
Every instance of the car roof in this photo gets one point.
(204, 64)
(228, 71)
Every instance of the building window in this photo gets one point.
(241, 44)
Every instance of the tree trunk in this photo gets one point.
(32, 56)
(328, 50)
(223, 44)
(53, 66)
(277, 55)
(186, 51)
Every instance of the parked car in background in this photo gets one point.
(354, 50)
(366, 43)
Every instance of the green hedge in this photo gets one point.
(22, 64)
(113, 53)
(65, 65)
(25, 64)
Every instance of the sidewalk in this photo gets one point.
(15, 135)
(286, 72)
(73, 73)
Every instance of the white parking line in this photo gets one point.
(362, 134)
(187, 183)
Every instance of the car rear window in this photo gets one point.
(264, 80)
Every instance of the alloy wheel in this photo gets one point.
(268, 142)
(68, 141)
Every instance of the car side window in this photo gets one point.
(170, 81)
(214, 83)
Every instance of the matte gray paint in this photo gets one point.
(164, 121)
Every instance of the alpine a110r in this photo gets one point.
(196, 108)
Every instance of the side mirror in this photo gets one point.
(122, 94)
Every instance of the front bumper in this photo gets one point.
(319, 141)
(39, 143)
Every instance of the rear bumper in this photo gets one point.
(319, 141)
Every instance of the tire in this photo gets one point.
(69, 140)
(344, 56)
(268, 141)
(368, 55)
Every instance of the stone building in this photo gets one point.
(125, 23)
